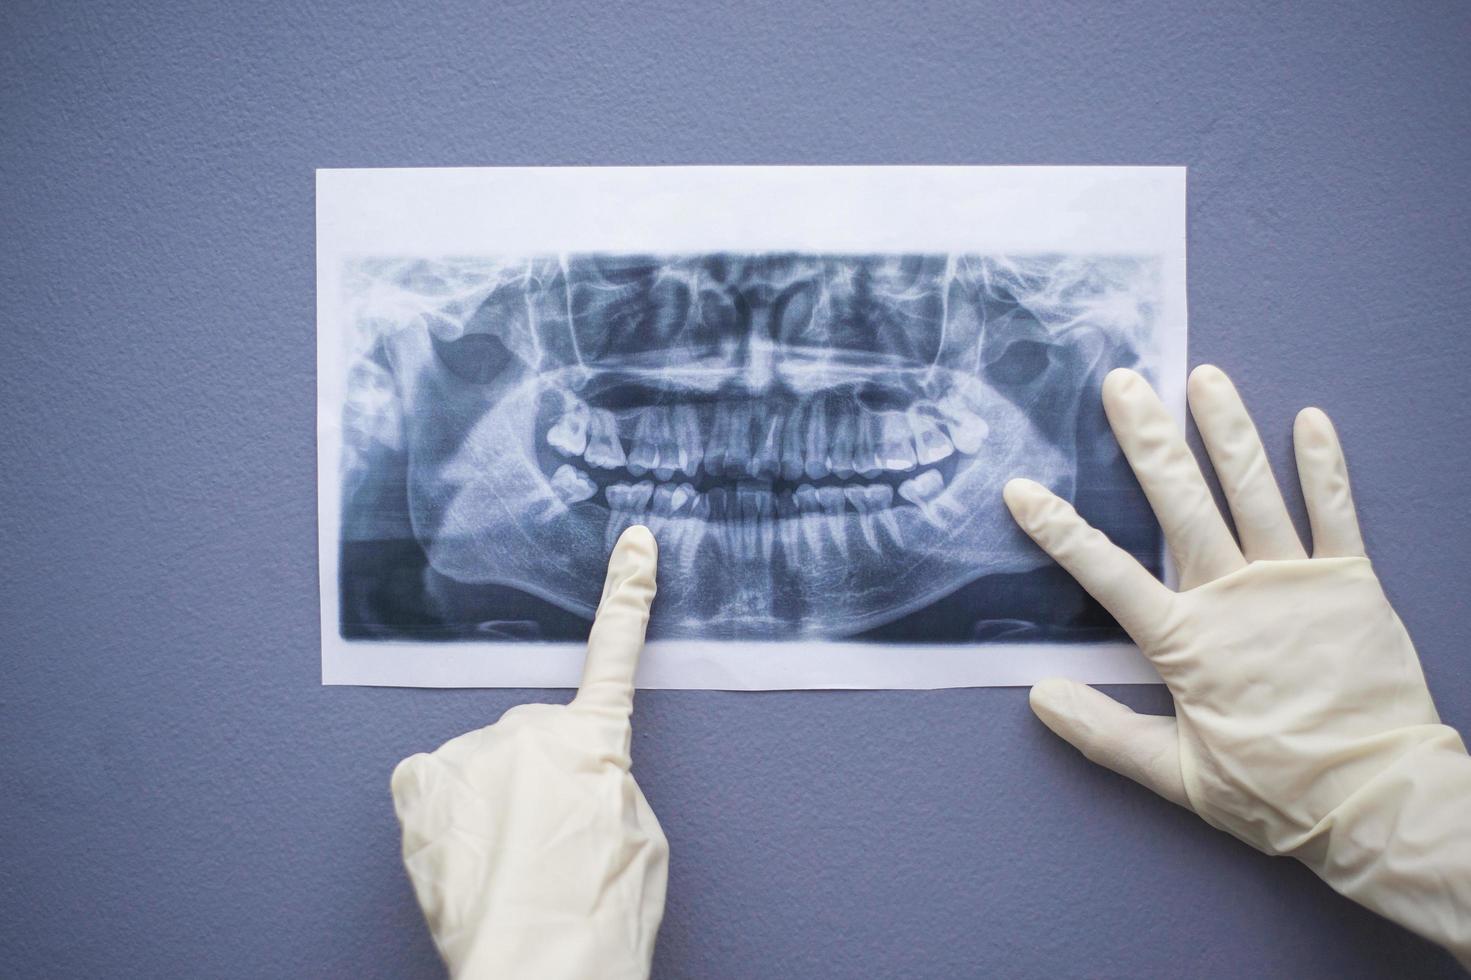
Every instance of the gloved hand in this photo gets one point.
(1302, 722)
(532, 851)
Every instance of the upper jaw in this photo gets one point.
(705, 425)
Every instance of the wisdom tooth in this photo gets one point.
(569, 435)
(930, 444)
(967, 429)
(922, 488)
(603, 448)
(896, 442)
(572, 485)
(816, 466)
(922, 491)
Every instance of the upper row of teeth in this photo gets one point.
(747, 439)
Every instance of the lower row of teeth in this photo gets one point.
(752, 521)
(748, 498)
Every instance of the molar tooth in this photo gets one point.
(881, 502)
(808, 508)
(603, 448)
(865, 446)
(816, 464)
(868, 501)
(643, 454)
(617, 494)
(568, 435)
(572, 485)
(620, 510)
(639, 495)
(840, 449)
(791, 446)
(831, 499)
(896, 442)
(930, 443)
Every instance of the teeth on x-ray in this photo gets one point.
(865, 455)
(818, 442)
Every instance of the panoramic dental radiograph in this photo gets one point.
(817, 441)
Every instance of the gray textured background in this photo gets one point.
(180, 798)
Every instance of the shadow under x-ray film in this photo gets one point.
(818, 442)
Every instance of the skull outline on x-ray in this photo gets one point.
(817, 441)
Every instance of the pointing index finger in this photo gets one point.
(617, 635)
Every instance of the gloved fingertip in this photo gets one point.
(1207, 376)
(1312, 427)
(635, 559)
(1120, 381)
(637, 543)
(1050, 699)
(637, 535)
(1020, 494)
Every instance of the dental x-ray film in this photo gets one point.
(811, 384)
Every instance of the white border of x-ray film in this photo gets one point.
(523, 210)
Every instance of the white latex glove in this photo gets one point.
(532, 851)
(1302, 722)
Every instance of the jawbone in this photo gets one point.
(753, 414)
(491, 513)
